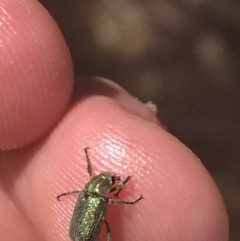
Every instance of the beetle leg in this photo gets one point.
(109, 235)
(114, 201)
(120, 186)
(67, 193)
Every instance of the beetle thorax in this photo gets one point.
(101, 184)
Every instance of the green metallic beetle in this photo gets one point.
(92, 204)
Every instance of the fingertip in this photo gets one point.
(36, 73)
(181, 201)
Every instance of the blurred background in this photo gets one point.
(184, 56)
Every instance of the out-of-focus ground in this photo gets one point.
(183, 55)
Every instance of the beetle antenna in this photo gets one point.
(89, 165)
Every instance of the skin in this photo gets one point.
(45, 126)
